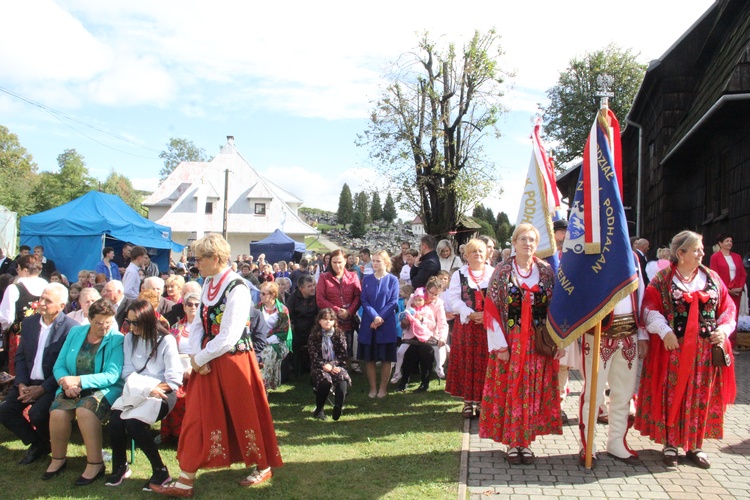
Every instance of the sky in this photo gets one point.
(294, 82)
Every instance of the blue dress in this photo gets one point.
(379, 298)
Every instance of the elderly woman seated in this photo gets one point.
(88, 371)
(87, 297)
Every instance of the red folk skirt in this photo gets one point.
(468, 361)
(172, 423)
(227, 418)
(516, 419)
(701, 412)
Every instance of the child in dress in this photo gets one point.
(422, 325)
(327, 348)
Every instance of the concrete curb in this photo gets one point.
(463, 469)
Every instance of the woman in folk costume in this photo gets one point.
(520, 391)
(730, 268)
(227, 418)
(466, 293)
(683, 394)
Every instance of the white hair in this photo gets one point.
(154, 283)
(117, 284)
(191, 287)
(59, 290)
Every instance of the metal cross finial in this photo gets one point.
(604, 82)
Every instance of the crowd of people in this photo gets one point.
(212, 336)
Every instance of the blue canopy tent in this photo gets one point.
(74, 234)
(278, 246)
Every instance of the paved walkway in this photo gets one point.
(556, 472)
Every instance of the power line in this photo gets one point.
(59, 115)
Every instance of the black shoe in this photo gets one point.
(160, 477)
(319, 414)
(564, 417)
(119, 474)
(34, 453)
(401, 387)
(423, 387)
(336, 412)
(49, 475)
(85, 481)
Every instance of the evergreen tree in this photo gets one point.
(361, 203)
(376, 210)
(345, 211)
(389, 209)
(357, 229)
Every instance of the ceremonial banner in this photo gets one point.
(540, 197)
(588, 284)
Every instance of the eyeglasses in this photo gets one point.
(192, 304)
(133, 322)
(103, 324)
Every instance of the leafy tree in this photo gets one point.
(389, 209)
(361, 203)
(426, 129)
(70, 182)
(179, 150)
(344, 214)
(376, 210)
(357, 228)
(573, 101)
(486, 228)
(19, 175)
(503, 228)
(121, 186)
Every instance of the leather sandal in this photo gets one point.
(171, 490)
(514, 456)
(670, 456)
(468, 410)
(50, 474)
(257, 477)
(630, 460)
(527, 456)
(699, 458)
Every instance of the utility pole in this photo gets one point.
(226, 203)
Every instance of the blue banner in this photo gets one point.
(588, 285)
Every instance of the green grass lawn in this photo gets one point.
(314, 245)
(404, 446)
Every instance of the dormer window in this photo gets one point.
(209, 207)
(260, 209)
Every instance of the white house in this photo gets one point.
(417, 228)
(191, 202)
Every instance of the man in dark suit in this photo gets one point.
(427, 264)
(114, 291)
(4, 262)
(43, 336)
(641, 246)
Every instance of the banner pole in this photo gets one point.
(593, 407)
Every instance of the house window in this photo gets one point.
(209, 207)
(260, 209)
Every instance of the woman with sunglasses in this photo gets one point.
(172, 423)
(151, 357)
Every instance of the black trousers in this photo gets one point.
(120, 430)
(11, 416)
(421, 355)
(325, 388)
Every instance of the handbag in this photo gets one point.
(544, 344)
(720, 357)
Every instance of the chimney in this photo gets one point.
(230, 139)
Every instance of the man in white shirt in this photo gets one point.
(43, 336)
(132, 281)
(115, 292)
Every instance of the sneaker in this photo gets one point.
(118, 475)
(160, 477)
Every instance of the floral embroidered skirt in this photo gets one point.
(516, 419)
(468, 361)
(172, 423)
(701, 413)
(227, 418)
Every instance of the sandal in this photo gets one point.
(699, 458)
(527, 456)
(513, 457)
(257, 477)
(172, 490)
(468, 410)
(670, 456)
